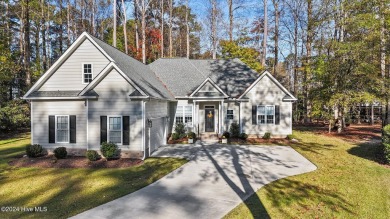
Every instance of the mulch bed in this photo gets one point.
(50, 161)
(278, 141)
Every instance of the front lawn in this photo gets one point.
(66, 192)
(349, 183)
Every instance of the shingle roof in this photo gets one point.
(139, 73)
(54, 94)
(182, 76)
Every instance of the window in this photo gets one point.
(87, 73)
(265, 114)
(184, 115)
(229, 114)
(62, 129)
(115, 129)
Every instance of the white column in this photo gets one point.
(222, 117)
(240, 117)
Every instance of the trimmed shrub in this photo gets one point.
(92, 155)
(180, 129)
(226, 134)
(175, 136)
(234, 130)
(243, 136)
(267, 135)
(14, 115)
(34, 150)
(60, 153)
(290, 137)
(386, 143)
(191, 135)
(109, 150)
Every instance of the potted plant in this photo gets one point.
(190, 140)
(191, 136)
(224, 139)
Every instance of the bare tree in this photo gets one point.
(136, 20)
(309, 40)
(187, 32)
(162, 28)
(114, 30)
(276, 34)
(26, 40)
(265, 35)
(214, 28)
(170, 25)
(124, 26)
(143, 7)
(230, 5)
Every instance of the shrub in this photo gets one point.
(109, 150)
(60, 153)
(191, 135)
(243, 136)
(267, 135)
(290, 137)
(92, 155)
(226, 135)
(180, 129)
(234, 130)
(14, 115)
(34, 150)
(386, 151)
(175, 136)
(386, 143)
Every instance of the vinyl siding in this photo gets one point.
(208, 87)
(156, 109)
(113, 99)
(69, 75)
(265, 92)
(40, 125)
(236, 110)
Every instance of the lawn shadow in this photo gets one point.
(371, 150)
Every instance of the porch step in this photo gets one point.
(209, 137)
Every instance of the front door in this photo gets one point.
(209, 120)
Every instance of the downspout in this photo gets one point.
(143, 129)
(87, 115)
(32, 123)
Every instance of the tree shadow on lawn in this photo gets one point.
(371, 150)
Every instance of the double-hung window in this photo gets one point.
(62, 129)
(229, 114)
(87, 73)
(115, 129)
(184, 115)
(266, 114)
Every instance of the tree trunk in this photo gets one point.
(307, 74)
(265, 35)
(187, 32)
(61, 28)
(143, 29)
(276, 38)
(93, 17)
(136, 25)
(114, 29)
(26, 43)
(124, 26)
(295, 50)
(230, 5)
(214, 28)
(162, 29)
(68, 24)
(170, 27)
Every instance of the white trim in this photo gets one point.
(240, 116)
(228, 114)
(55, 123)
(104, 73)
(183, 115)
(265, 119)
(212, 83)
(87, 115)
(82, 72)
(32, 123)
(108, 128)
(143, 129)
(266, 73)
(216, 123)
(222, 116)
(62, 58)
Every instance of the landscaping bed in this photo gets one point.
(255, 141)
(50, 161)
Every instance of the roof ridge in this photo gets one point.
(197, 69)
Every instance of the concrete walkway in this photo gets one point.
(215, 180)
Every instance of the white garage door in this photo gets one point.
(157, 133)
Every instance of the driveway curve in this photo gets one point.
(215, 180)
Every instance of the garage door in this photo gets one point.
(157, 133)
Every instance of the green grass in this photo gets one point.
(66, 192)
(347, 184)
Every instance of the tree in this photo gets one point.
(265, 34)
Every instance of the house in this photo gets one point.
(94, 93)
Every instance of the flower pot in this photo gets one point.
(224, 140)
(190, 140)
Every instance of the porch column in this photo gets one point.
(240, 116)
(222, 117)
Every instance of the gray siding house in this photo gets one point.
(95, 93)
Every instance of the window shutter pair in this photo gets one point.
(277, 115)
(125, 129)
(72, 129)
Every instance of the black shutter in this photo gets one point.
(254, 115)
(103, 129)
(277, 115)
(72, 131)
(126, 130)
(52, 129)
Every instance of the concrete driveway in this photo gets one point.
(215, 180)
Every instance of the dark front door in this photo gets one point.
(209, 120)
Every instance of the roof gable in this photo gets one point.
(288, 95)
(208, 89)
(84, 36)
